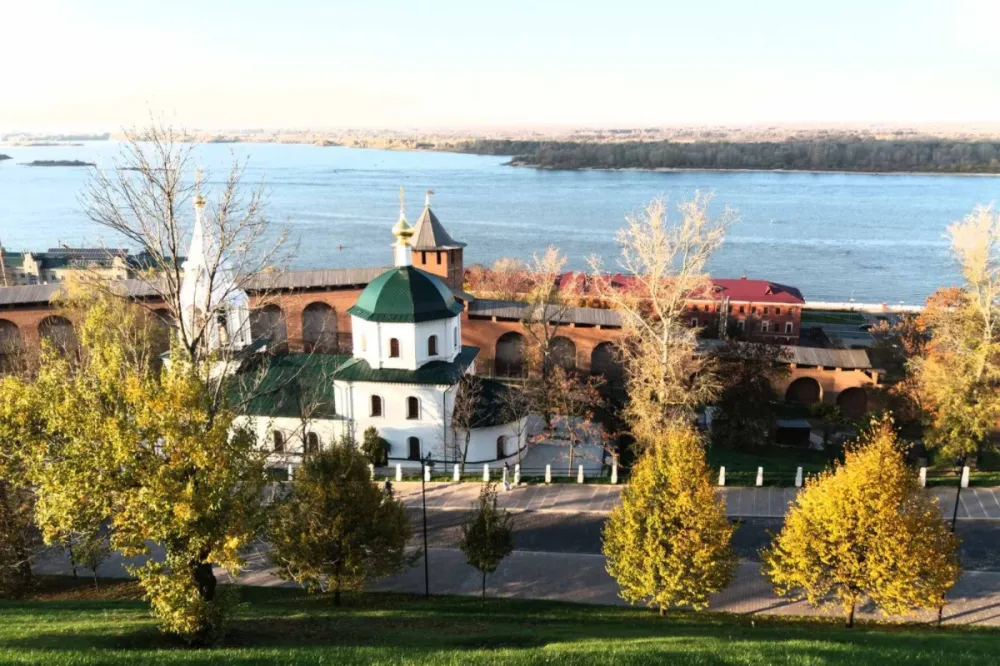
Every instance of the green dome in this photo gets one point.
(406, 295)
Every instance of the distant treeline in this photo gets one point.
(944, 156)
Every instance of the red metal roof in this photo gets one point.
(756, 291)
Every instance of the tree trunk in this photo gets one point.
(336, 588)
(484, 589)
(72, 558)
(663, 611)
(97, 585)
(850, 616)
(204, 578)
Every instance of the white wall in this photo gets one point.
(371, 342)
(432, 428)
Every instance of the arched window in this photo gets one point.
(376, 406)
(432, 345)
(393, 348)
(279, 441)
(312, 443)
(501, 447)
(414, 448)
(412, 408)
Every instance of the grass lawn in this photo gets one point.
(832, 317)
(779, 463)
(281, 626)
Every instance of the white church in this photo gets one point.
(402, 377)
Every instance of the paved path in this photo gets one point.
(582, 578)
(766, 502)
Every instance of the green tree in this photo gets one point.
(488, 534)
(113, 439)
(668, 542)
(746, 404)
(865, 529)
(335, 529)
(91, 551)
(373, 447)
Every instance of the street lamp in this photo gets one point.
(425, 463)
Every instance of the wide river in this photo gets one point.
(835, 236)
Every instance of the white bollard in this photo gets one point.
(371, 470)
(798, 477)
(614, 472)
(548, 474)
(722, 475)
(760, 476)
(457, 474)
(923, 477)
(965, 477)
(579, 474)
(399, 472)
(291, 472)
(506, 478)
(517, 474)
(486, 473)
(427, 472)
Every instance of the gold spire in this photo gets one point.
(402, 231)
(199, 200)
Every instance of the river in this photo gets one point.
(876, 238)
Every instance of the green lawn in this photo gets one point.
(282, 626)
(832, 317)
(779, 463)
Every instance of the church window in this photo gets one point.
(376, 406)
(279, 441)
(393, 348)
(312, 443)
(412, 408)
(414, 448)
(439, 257)
(501, 452)
(432, 345)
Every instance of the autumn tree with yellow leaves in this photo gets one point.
(114, 440)
(865, 529)
(668, 542)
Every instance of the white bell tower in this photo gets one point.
(214, 303)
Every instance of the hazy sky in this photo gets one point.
(298, 63)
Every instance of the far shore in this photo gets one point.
(525, 165)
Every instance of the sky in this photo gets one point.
(101, 65)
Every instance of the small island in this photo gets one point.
(4, 157)
(59, 163)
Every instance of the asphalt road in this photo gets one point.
(581, 533)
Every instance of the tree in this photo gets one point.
(571, 400)
(19, 539)
(506, 280)
(515, 408)
(665, 262)
(335, 529)
(959, 373)
(488, 534)
(896, 347)
(465, 414)
(668, 542)
(91, 551)
(112, 439)
(546, 306)
(746, 413)
(374, 447)
(144, 199)
(865, 529)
